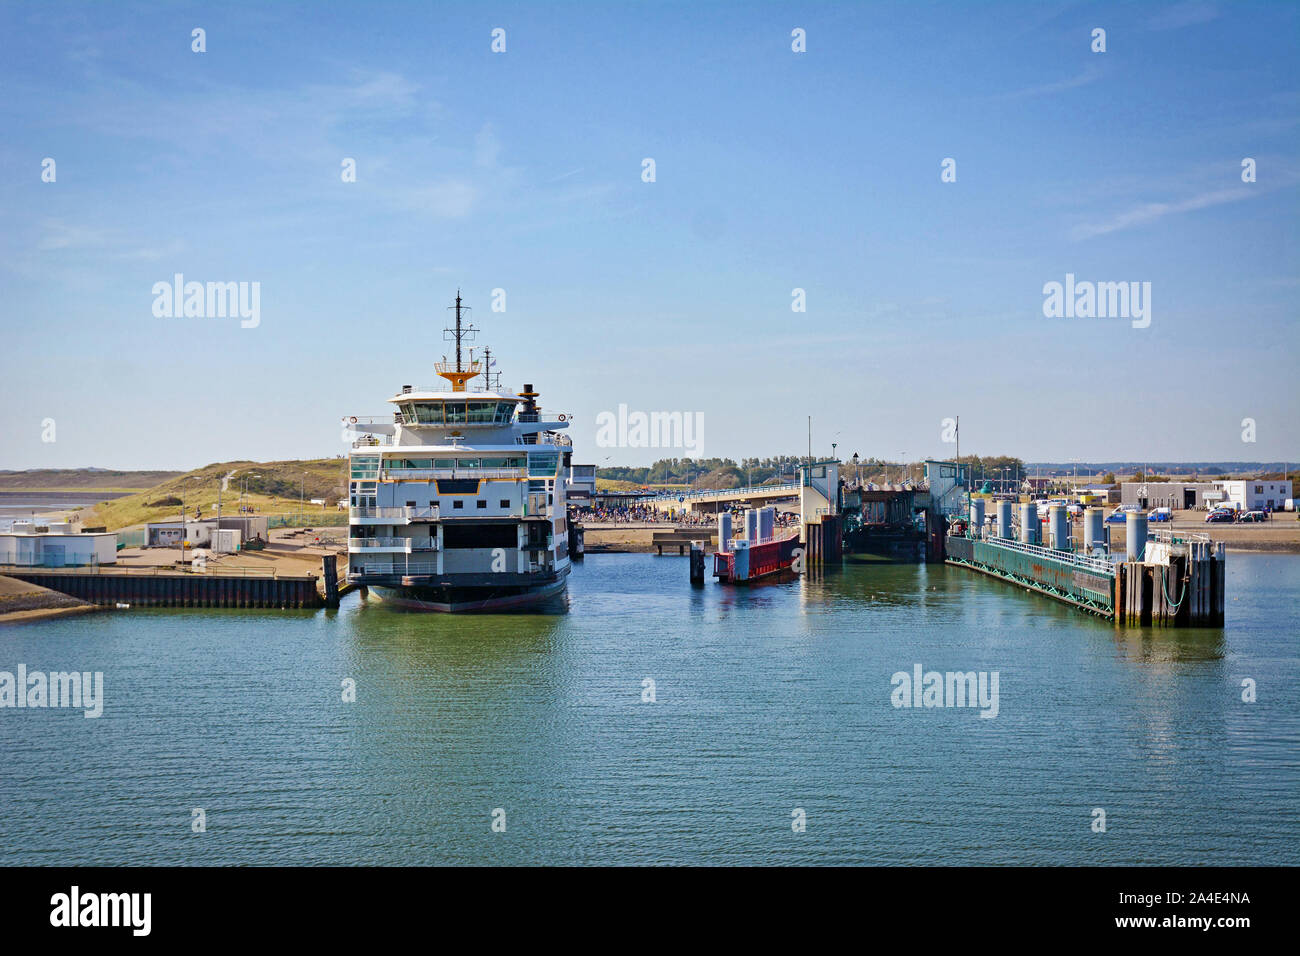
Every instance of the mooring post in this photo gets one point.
(697, 562)
(329, 567)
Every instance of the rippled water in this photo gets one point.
(768, 699)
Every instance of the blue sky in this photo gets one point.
(774, 170)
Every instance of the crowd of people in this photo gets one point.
(642, 514)
(603, 514)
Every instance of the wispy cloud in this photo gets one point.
(1183, 15)
(1090, 74)
(1150, 212)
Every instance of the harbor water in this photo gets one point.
(767, 703)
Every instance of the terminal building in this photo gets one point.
(581, 483)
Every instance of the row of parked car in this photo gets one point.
(1119, 515)
(1240, 517)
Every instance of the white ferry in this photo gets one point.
(457, 502)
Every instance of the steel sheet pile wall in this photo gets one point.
(178, 590)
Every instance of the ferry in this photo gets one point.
(457, 501)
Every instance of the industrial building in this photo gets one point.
(1176, 495)
(224, 535)
(1243, 495)
(55, 544)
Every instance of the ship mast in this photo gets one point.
(493, 379)
(461, 332)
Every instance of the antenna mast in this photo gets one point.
(492, 378)
(461, 332)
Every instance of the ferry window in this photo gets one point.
(408, 413)
(481, 412)
(505, 502)
(466, 462)
(365, 467)
(480, 503)
(458, 503)
(496, 462)
(444, 463)
(455, 413)
(428, 413)
(543, 464)
(504, 411)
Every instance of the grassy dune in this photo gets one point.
(81, 479)
(274, 490)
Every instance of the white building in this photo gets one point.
(164, 534)
(1255, 494)
(55, 545)
(582, 481)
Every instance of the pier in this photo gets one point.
(1161, 580)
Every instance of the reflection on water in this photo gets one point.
(765, 698)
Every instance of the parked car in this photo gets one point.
(1253, 516)
(1118, 516)
(1220, 514)
(1161, 514)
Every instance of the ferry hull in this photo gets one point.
(460, 600)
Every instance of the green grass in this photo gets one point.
(275, 490)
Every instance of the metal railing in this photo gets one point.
(407, 513)
(474, 389)
(429, 474)
(409, 567)
(1099, 565)
(1168, 537)
(725, 492)
(215, 570)
(408, 544)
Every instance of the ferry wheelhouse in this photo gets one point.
(457, 503)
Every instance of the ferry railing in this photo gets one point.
(428, 474)
(409, 544)
(406, 513)
(409, 567)
(475, 389)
